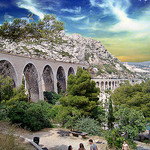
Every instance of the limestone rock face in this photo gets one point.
(73, 48)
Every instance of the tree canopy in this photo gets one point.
(136, 97)
(22, 29)
(81, 98)
(130, 122)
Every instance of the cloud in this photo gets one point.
(31, 6)
(119, 10)
(76, 10)
(76, 18)
(8, 18)
(93, 3)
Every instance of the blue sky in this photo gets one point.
(123, 26)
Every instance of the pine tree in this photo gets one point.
(111, 118)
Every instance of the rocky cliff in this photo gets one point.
(73, 48)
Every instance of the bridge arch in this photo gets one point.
(106, 85)
(97, 84)
(113, 85)
(102, 86)
(61, 79)
(8, 69)
(110, 85)
(48, 78)
(31, 79)
(71, 71)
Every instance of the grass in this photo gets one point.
(9, 142)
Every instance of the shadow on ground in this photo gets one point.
(59, 147)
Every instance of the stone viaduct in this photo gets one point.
(112, 84)
(39, 74)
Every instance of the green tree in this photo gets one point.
(18, 95)
(136, 97)
(111, 117)
(20, 29)
(51, 97)
(130, 122)
(32, 116)
(8, 94)
(6, 88)
(81, 99)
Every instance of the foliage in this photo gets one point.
(110, 68)
(88, 125)
(81, 99)
(6, 88)
(130, 122)
(82, 85)
(51, 97)
(63, 53)
(115, 140)
(18, 95)
(4, 112)
(8, 94)
(21, 29)
(67, 116)
(136, 97)
(33, 116)
(111, 117)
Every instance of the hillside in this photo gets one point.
(73, 48)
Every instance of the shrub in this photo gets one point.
(33, 116)
(88, 125)
(51, 97)
(114, 139)
(3, 112)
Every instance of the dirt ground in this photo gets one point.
(52, 138)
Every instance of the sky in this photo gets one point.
(123, 26)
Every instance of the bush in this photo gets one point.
(88, 125)
(32, 116)
(51, 97)
(4, 112)
(114, 139)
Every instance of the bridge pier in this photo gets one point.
(39, 74)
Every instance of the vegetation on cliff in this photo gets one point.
(21, 29)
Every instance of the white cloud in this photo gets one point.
(30, 5)
(8, 18)
(93, 3)
(125, 24)
(76, 18)
(76, 10)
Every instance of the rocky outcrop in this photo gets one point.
(73, 48)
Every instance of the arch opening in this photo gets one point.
(71, 71)
(61, 80)
(31, 80)
(106, 86)
(48, 78)
(109, 85)
(7, 69)
(102, 85)
(113, 85)
(97, 84)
